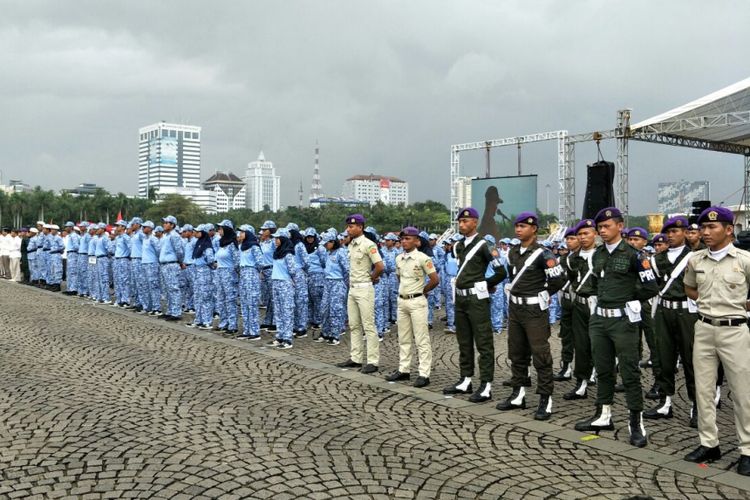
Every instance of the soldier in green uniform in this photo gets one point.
(625, 278)
(674, 320)
(583, 285)
(535, 274)
(566, 302)
(693, 237)
(472, 307)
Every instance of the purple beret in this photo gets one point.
(659, 238)
(527, 218)
(468, 213)
(586, 224)
(606, 214)
(678, 222)
(409, 231)
(638, 232)
(716, 214)
(571, 231)
(355, 219)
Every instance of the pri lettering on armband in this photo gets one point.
(647, 275)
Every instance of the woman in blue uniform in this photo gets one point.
(316, 258)
(203, 260)
(335, 291)
(300, 281)
(251, 260)
(282, 284)
(226, 279)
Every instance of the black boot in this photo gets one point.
(463, 386)
(544, 410)
(565, 373)
(601, 421)
(661, 410)
(516, 400)
(580, 391)
(654, 392)
(636, 429)
(484, 393)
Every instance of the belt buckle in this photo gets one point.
(715, 322)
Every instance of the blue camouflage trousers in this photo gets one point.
(32, 266)
(393, 297)
(226, 297)
(102, 278)
(188, 275)
(450, 305)
(170, 276)
(266, 290)
(301, 301)
(204, 308)
(555, 309)
(381, 306)
(83, 275)
(72, 272)
(249, 300)
(151, 286)
(136, 279)
(43, 260)
(333, 309)
(497, 301)
(316, 283)
(283, 301)
(93, 280)
(122, 280)
(55, 269)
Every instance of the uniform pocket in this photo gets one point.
(734, 278)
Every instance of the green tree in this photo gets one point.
(173, 204)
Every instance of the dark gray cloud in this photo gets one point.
(385, 86)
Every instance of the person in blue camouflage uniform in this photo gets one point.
(282, 277)
(45, 267)
(450, 271)
(316, 279)
(496, 298)
(203, 259)
(438, 260)
(188, 274)
(381, 290)
(226, 277)
(555, 309)
(335, 291)
(71, 248)
(391, 252)
(426, 248)
(387, 279)
(56, 248)
(150, 267)
(504, 249)
(267, 246)
(301, 298)
(31, 255)
(171, 253)
(101, 268)
(137, 281)
(251, 260)
(91, 260)
(122, 273)
(83, 264)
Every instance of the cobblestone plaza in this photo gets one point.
(98, 402)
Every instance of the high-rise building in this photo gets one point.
(316, 189)
(169, 155)
(377, 188)
(227, 191)
(263, 186)
(463, 188)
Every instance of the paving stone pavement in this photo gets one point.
(96, 402)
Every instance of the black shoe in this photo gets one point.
(349, 364)
(368, 368)
(580, 391)
(620, 387)
(544, 410)
(694, 416)
(231, 331)
(300, 334)
(271, 328)
(654, 392)
(396, 376)
(516, 400)
(601, 421)
(636, 429)
(703, 454)
(422, 381)
(662, 410)
(484, 393)
(743, 467)
(455, 388)
(173, 318)
(565, 373)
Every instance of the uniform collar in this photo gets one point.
(358, 240)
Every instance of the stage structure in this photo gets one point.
(717, 122)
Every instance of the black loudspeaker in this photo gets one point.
(600, 192)
(698, 208)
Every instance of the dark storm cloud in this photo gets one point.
(385, 87)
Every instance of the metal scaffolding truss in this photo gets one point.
(566, 178)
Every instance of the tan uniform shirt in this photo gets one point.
(411, 269)
(722, 286)
(363, 254)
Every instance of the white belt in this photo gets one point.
(673, 304)
(465, 292)
(567, 296)
(609, 313)
(359, 285)
(582, 300)
(524, 300)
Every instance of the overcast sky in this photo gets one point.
(384, 86)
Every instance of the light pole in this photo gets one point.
(547, 189)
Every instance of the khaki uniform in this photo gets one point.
(722, 292)
(411, 269)
(363, 254)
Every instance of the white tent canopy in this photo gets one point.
(722, 116)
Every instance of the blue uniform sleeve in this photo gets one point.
(344, 263)
(258, 255)
(301, 253)
(208, 254)
(179, 250)
(291, 265)
(235, 256)
(322, 255)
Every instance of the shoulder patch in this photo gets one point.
(373, 250)
(551, 262)
(429, 264)
(646, 264)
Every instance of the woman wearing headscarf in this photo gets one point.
(381, 290)
(333, 306)
(316, 278)
(282, 285)
(227, 260)
(300, 281)
(251, 261)
(203, 260)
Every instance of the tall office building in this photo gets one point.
(169, 155)
(263, 186)
(377, 188)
